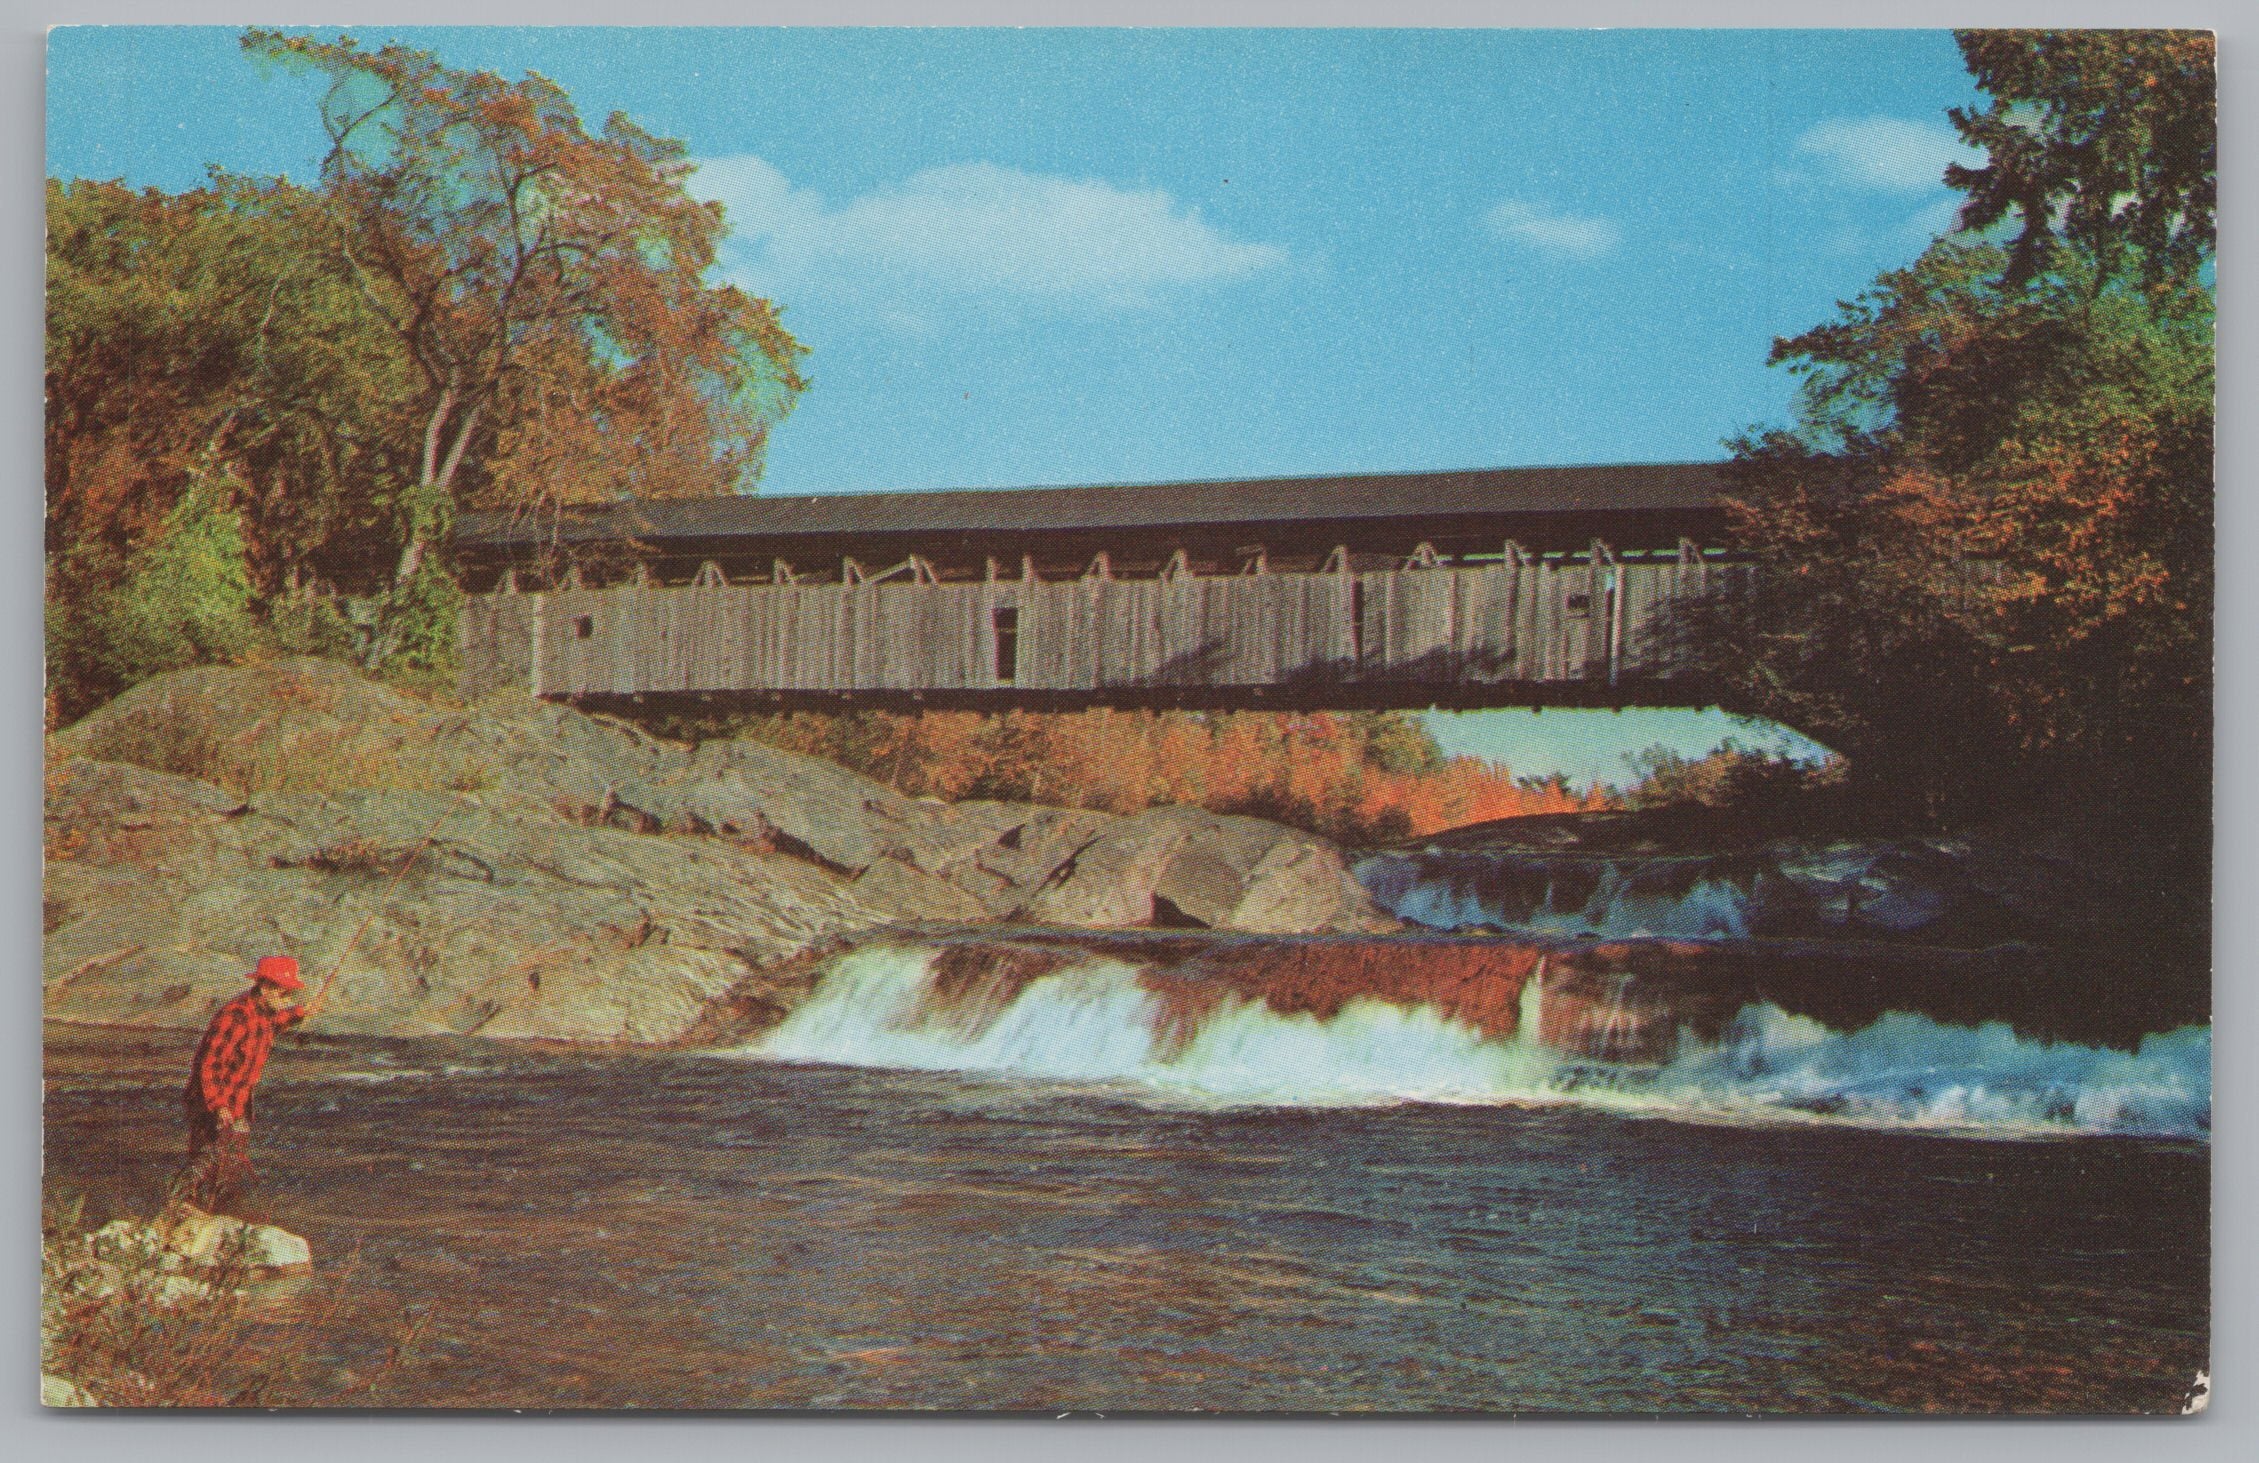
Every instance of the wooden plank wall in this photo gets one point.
(1520, 619)
(497, 640)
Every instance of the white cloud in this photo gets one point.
(1890, 153)
(1563, 235)
(976, 229)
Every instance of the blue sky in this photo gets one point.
(1085, 256)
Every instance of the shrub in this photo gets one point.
(183, 598)
(308, 624)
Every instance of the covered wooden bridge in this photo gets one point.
(1553, 585)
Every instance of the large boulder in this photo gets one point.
(799, 804)
(312, 725)
(1016, 849)
(913, 894)
(1187, 868)
(296, 724)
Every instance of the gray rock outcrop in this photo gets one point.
(1184, 867)
(511, 924)
(586, 881)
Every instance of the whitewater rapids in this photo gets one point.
(1099, 1020)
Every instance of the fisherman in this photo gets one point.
(224, 1078)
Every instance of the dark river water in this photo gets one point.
(1279, 1226)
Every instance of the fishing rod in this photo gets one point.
(338, 968)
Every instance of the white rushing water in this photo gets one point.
(1621, 901)
(1093, 1022)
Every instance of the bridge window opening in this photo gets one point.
(1580, 604)
(1006, 625)
(584, 627)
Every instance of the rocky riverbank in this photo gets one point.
(2066, 937)
(585, 882)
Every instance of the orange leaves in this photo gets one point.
(547, 283)
(1324, 771)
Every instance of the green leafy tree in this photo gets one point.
(2103, 140)
(1754, 783)
(1396, 743)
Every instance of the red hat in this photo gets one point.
(280, 971)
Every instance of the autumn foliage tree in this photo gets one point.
(546, 284)
(482, 303)
(1986, 541)
(221, 422)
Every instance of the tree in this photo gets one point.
(187, 600)
(481, 305)
(1751, 782)
(1360, 778)
(202, 342)
(1985, 544)
(547, 286)
(208, 324)
(2106, 140)
(1985, 548)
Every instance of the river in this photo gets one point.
(1032, 1171)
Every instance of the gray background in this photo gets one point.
(2228, 1430)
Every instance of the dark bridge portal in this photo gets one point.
(1551, 586)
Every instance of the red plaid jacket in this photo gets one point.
(234, 1053)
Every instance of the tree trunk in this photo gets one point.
(438, 478)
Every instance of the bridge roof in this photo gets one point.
(1444, 498)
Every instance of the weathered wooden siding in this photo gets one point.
(1583, 618)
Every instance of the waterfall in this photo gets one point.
(1161, 1033)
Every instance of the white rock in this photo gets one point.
(57, 1391)
(185, 1238)
(140, 1284)
(209, 1240)
(173, 1290)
